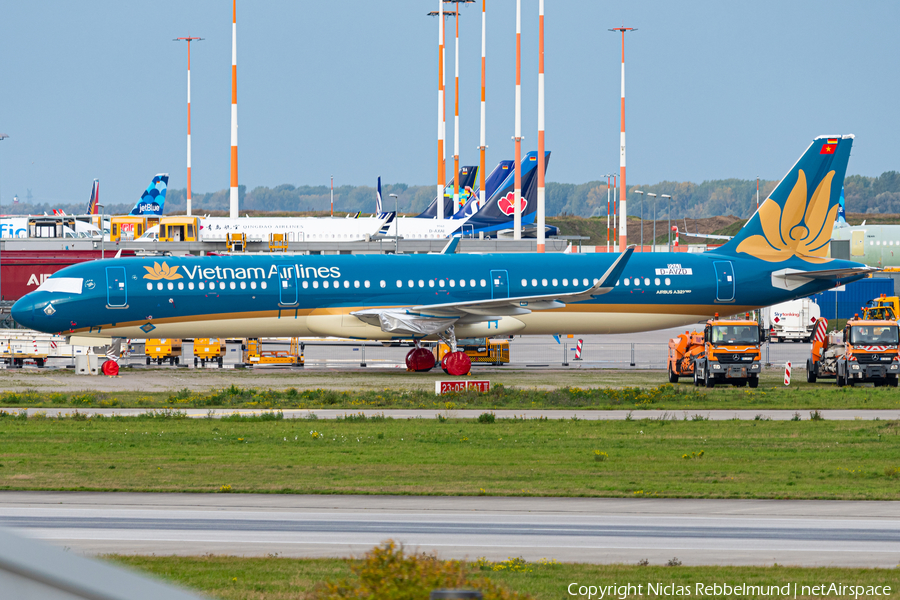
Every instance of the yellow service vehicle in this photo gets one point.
(885, 308)
(209, 350)
(255, 355)
(179, 229)
(485, 351)
(162, 350)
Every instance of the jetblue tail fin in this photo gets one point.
(92, 207)
(153, 199)
(798, 217)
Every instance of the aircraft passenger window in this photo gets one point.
(544, 282)
(159, 286)
(452, 283)
(431, 283)
(202, 285)
(555, 282)
(524, 283)
(421, 283)
(325, 284)
(315, 284)
(565, 282)
(472, 282)
(462, 283)
(668, 281)
(383, 284)
(656, 281)
(627, 283)
(584, 281)
(483, 283)
(149, 286)
(367, 283)
(441, 283)
(646, 281)
(252, 285)
(305, 284)
(231, 285)
(534, 282)
(399, 284)
(346, 284)
(190, 285)
(243, 285)
(356, 284)
(411, 283)
(262, 284)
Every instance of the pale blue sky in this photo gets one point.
(715, 89)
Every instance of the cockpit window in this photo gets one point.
(66, 285)
(734, 334)
(880, 335)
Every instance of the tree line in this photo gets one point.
(692, 200)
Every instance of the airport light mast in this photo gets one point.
(623, 217)
(652, 195)
(541, 198)
(188, 40)
(642, 217)
(517, 197)
(442, 121)
(233, 198)
(607, 211)
(483, 145)
(456, 202)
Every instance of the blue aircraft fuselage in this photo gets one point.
(303, 295)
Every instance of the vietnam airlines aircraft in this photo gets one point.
(779, 255)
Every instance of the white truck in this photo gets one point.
(793, 321)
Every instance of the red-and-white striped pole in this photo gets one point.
(607, 213)
(517, 197)
(615, 213)
(540, 157)
(233, 199)
(578, 348)
(483, 145)
(441, 175)
(675, 230)
(189, 40)
(456, 116)
(332, 197)
(623, 231)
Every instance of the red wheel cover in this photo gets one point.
(419, 359)
(110, 368)
(457, 363)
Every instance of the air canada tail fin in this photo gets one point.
(153, 199)
(92, 207)
(797, 218)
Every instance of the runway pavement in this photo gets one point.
(737, 532)
(584, 414)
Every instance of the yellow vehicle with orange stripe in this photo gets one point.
(870, 353)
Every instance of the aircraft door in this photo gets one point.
(857, 243)
(287, 289)
(116, 291)
(724, 280)
(499, 284)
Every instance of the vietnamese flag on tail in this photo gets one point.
(829, 146)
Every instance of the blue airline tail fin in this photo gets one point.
(466, 180)
(498, 212)
(493, 181)
(842, 216)
(378, 200)
(798, 216)
(153, 199)
(92, 207)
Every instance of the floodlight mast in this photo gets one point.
(188, 40)
(456, 202)
(517, 195)
(483, 146)
(623, 230)
(233, 196)
(442, 120)
(541, 197)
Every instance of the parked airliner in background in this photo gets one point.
(780, 254)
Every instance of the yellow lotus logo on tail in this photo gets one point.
(802, 230)
(162, 272)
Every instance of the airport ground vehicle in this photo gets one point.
(255, 355)
(485, 351)
(865, 351)
(162, 350)
(793, 321)
(209, 350)
(884, 307)
(726, 352)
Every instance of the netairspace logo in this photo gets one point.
(739, 590)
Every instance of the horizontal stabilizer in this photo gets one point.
(791, 279)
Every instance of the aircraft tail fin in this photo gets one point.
(153, 199)
(842, 216)
(378, 201)
(798, 216)
(92, 207)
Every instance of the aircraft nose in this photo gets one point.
(33, 313)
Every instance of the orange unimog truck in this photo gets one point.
(866, 351)
(726, 352)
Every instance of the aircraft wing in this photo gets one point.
(427, 319)
(707, 236)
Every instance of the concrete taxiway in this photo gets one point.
(724, 532)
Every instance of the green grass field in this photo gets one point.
(851, 460)
(617, 393)
(276, 578)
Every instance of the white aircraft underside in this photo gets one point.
(299, 229)
(426, 229)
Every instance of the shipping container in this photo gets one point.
(849, 299)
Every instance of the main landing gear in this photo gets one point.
(454, 362)
(419, 359)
